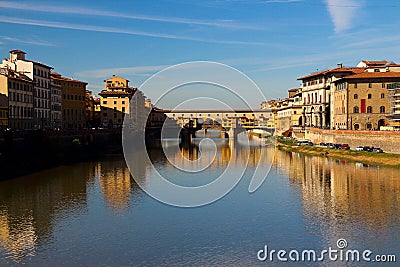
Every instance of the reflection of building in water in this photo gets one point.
(19, 241)
(116, 183)
(30, 206)
(227, 152)
(340, 193)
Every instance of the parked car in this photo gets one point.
(322, 144)
(337, 146)
(359, 148)
(377, 150)
(367, 148)
(302, 142)
(345, 146)
(330, 145)
(310, 143)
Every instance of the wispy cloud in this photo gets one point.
(131, 71)
(94, 12)
(283, 1)
(28, 40)
(62, 25)
(342, 13)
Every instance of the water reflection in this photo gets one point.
(338, 200)
(117, 186)
(344, 196)
(30, 205)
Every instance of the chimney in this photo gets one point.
(340, 65)
(17, 55)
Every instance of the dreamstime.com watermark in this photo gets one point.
(182, 86)
(340, 253)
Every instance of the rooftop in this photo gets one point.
(376, 75)
(59, 77)
(335, 70)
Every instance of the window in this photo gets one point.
(369, 126)
(383, 85)
(369, 96)
(356, 109)
(370, 85)
(105, 102)
(115, 102)
(123, 102)
(355, 96)
(105, 114)
(123, 109)
(369, 109)
(382, 109)
(355, 85)
(356, 126)
(382, 95)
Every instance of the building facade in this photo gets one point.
(394, 105)
(72, 102)
(115, 101)
(362, 101)
(16, 91)
(40, 74)
(317, 96)
(55, 105)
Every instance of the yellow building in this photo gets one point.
(16, 105)
(114, 101)
(361, 100)
(289, 111)
(3, 112)
(73, 101)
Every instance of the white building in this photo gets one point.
(318, 95)
(55, 106)
(40, 74)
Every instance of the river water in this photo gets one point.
(94, 214)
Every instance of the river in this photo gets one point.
(94, 214)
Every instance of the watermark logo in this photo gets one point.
(340, 253)
(195, 86)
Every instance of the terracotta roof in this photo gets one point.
(335, 70)
(114, 93)
(116, 76)
(11, 74)
(17, 51)
(375, 62)
(376, 75)
(58, 77)
(294, 90)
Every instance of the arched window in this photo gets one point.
(356, 109)
(382, 95)
(355, 96)
(356, 126)
(369, 96)
(369, 109)
(382, 109)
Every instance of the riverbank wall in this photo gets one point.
(23, 153)
(388, 141)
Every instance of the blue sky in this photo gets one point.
(272, 41)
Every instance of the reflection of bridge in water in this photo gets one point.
(223, 120)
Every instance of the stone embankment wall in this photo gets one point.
(22, 153)
(388, 141)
